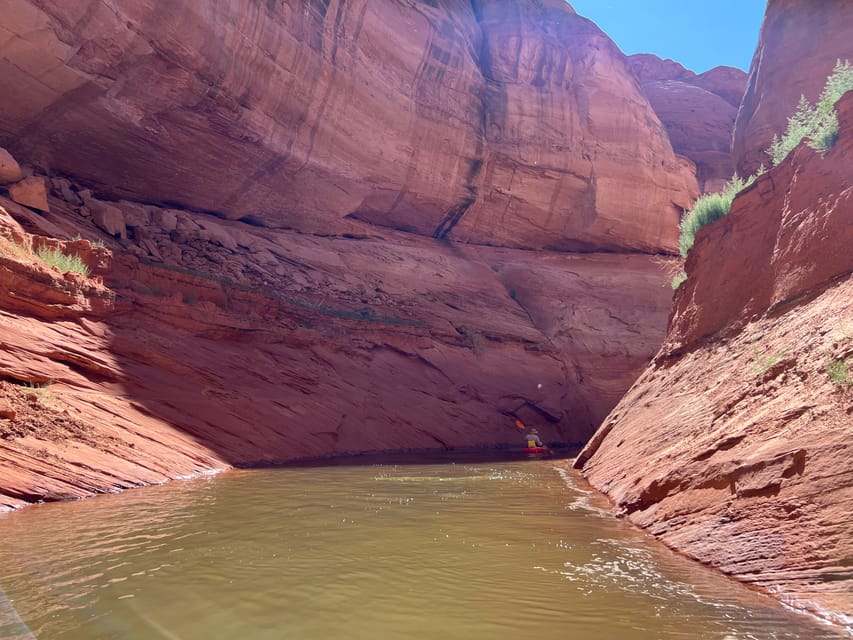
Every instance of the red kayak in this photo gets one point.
(535, 449)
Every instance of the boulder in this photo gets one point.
(6, 411)
(30, 192)
(108, 217)
(135, 215)
(62, 187)
(9, 169)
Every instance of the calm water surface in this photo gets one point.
(515, 549)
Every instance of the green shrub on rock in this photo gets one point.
(817, 124)
(55, 258)
(838, 372)
(708, 208)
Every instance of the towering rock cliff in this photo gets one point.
(698, 112)
(734, 445)
(330, 228)
(571, 144)
(402, 115)
(799, 45)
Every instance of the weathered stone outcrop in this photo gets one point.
(520, 119)
(798, 47)
(734, 446)
(698, 112)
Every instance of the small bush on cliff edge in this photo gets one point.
(817, 124)
(55, 258)
(710, 207)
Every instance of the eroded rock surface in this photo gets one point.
(734, 446)
(264, 346)
(698, 112)
(799, 44)
(520, 119)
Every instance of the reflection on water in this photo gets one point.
(465, 550)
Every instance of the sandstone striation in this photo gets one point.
(733, 447)
(521, 119)
(698, 112)
(571, 144)
(798, 47)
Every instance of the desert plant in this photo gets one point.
(817, 124)
(94, 243)
(765, 361)
(55, 258)
(838, 372)
(679, 279)
(708, 208)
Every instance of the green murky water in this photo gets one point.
(467, 550)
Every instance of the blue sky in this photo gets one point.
(699, 35)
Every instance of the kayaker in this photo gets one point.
(533, 439)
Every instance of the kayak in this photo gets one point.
(535, 449)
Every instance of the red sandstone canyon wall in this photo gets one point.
(698, 112)
(799, 44)
(571, 144)
(405, 116)
(263, 346)
(734, 445)
(330, 228)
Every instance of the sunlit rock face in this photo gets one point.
(799, 44)
(698, 112)
(734, 445)
(576, 158)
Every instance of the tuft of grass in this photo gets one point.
(817, 124)
(55, 258)
(764, 362)
(94, 243)
(708, 208)
(679, 279)
(838, 372)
